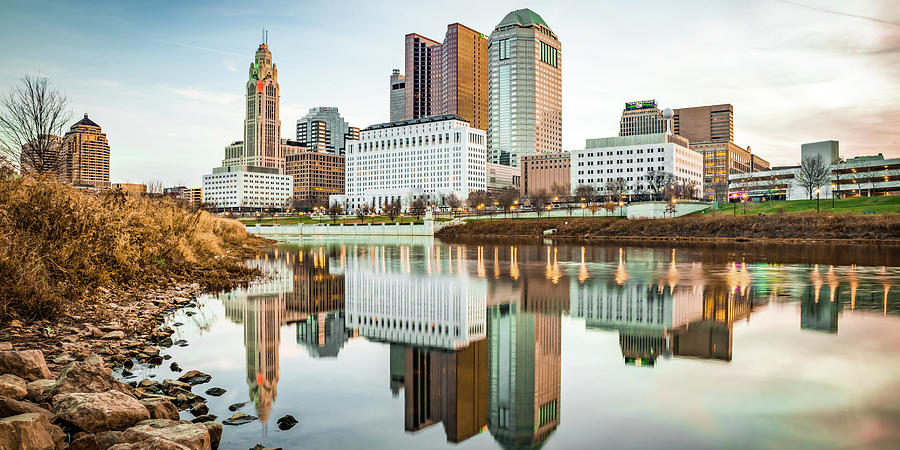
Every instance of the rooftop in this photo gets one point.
(86, 122)
(401, 123)
(523, 17)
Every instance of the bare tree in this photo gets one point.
(688, 189)
(560, 192)
(361, 212)
(33, 116)
(615, 189)
(610, 207)
(392, 209)
(154, 188)
(335, 211)
(507, 197)
(657, 182)
(813, 174)
(539, 199)
(585, 192)
(453, 202)
(417, 208)
(479, 198)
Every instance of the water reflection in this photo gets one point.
(474, 332)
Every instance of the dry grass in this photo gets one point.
(59, 244)
(783, 226)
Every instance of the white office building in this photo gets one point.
(245, 187)
(429, 156)
(633, 158)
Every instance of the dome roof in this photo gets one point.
(523, 17)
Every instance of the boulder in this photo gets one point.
(170, 385)
(32, 431)
(12, 407)
(215, 432)
(174, 367)
(103, 411)
(190, 435)
(239, 418)
(215, 391)
(5, 346)
(27, 364)
(114, 335)
(12, 386)
(106, 439)
(83, 376)
(236, 406)
(154, 443)
(193, 377)
(286, 422)
(86, 441)
(199, 409)
(160, 408)
(37, 388)
(204, 418)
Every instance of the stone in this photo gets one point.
(114, 335)
(103, 411)
(87, 441)
(190, 435)
(194, 377)
(199, 409)
(106, 439)
(160, 408)
(215, 391)
(154, 443)
(286, 422)
(170, 385)
(239, 418)
(15, 323)
(12, 386)
(27, 364)
(155, 360)
(82, 376)
(5, 346)
(37, 388)
(64, 359)
(215, 432)
(236, 406)
(31, 430)
(165, 342)
(12, 407)
(174, 367)
(204, 418)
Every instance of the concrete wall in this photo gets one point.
(426, 229)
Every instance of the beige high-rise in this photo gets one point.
(87, 150)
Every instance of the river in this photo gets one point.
(415, 343)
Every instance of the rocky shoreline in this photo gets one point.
(57, 388)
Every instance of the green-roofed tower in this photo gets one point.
(525, 106)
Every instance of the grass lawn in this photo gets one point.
(856, 205)
(328, 221)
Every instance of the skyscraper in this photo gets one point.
(87, 155)
(641, 117)
(398, 96)
(714, 123)
(418, 76)
(324, 130)
(525, 106)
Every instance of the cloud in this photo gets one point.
(205, 49)
(830, 11)
(206, 97)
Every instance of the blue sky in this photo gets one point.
(165, 78)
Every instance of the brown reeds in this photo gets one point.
(59, 244)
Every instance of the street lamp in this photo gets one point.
(817, 199)
(621, 204)
(674, 205)
(734, 204)
(744, 198)
(832, 195)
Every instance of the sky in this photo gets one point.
(165, 79)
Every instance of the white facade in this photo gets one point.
(631, 158)
(247, 189)
(431, 156)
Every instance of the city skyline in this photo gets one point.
(164, 84)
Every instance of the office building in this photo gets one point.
(193, 196)
(713, 123)
(632, 159)
(641, 117)
(43, 155)
(501, 177)
(829, 151)
(317, 175)
(548, 172)
(87, 155)
(261, 146)
(245, 188)
(418, 76)
(525, 106)
(429, 157)
(722, 159)
(323, 129)
(398, 96)
(129, 188)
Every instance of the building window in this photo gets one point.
(504, 49)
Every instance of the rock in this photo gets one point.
(155, 360)
(194, 377)
(15, 323)
(27, 364)
(185, 399)
(286, 422)
(160, 408)
(5, 346)
(216, 391)
(81, 376)
(262, 447)
(204, 418)
(150, 350)
(236, 406)
(177, 324)
(170, 385)
(64, 359)
(190, 435)
(154, 443)
(114, 335)
(174, 367)
(215, 432)
(239, 418)
(165, 342)
(87, 441)
(167, 357)
(106, 439)
(199, 409)
(12, 407)
(31, 430)
(37, 388)
(93, 412)
(12, 386)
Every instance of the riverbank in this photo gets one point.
(777, 229)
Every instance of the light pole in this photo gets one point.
(744, 199)
(734, 204)
(817, 199)
(621, 204)
(832, 195)
(674, 206)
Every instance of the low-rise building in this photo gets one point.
(428, 157)
(545, 171)
(500, 177)
(632, 159)
(193, 196)
(722, 159)
(241, 188)
(317, 175)
(130, 188)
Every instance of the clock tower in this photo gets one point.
(262, 126)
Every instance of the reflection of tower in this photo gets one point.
(449, 387)
(323, 334)
(262, 337)
(821, 315)
(398, 368)
(711, 337)
(525, 374)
